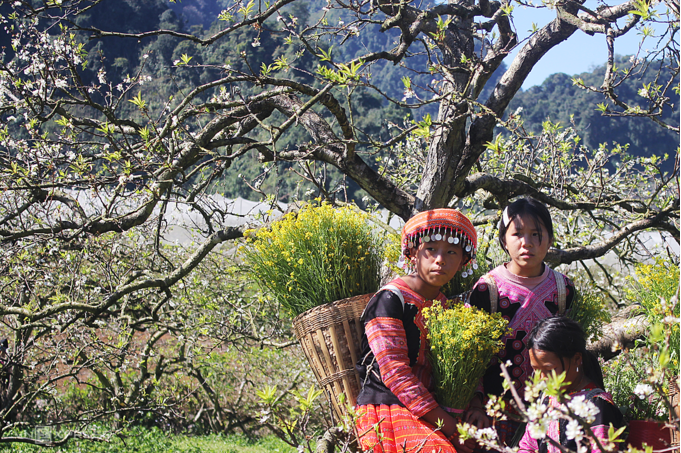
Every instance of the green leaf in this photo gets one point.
(246, 10)
(642, 9)
(613, 436)
(647, 31)
(107, 128)
(265, 70)
(325, 56)
(137, 100)
(498, 145)
(225, 16)
(145, 134)
(62, 121)
(423, 129)
(280, 63)
(507, 10)
(307, 401)
(184, 59)
(268, 395)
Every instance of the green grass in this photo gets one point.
(231, 444)
(145, 440)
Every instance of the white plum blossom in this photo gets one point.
(488, 433)
(536, 411)
(537, 429)
(574, 430)
(643, 390)
(583, 408)
(256, 42)
(533, 391)
(408, 94)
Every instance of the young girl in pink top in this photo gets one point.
(524, 290)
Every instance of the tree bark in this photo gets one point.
(622, 332)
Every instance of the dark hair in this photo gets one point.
(565, 338)
(531, 207)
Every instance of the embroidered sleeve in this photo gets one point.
(388, 342)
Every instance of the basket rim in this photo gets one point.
(328, 305)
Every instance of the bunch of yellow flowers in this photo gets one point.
(656, 287)
(463, 340)
(317, 255)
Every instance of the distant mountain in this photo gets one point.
(558, 98)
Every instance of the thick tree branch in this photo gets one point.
(510, 188)
(556, 257)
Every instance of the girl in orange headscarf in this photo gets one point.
(397, 411)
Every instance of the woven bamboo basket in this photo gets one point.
(674, 416)
(331, 338)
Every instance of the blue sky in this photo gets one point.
(580, 53)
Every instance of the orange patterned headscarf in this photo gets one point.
(438, 225)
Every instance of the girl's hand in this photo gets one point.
(476, 414)
(447, 423)
(462, 447)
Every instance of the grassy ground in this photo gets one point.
(144, 440)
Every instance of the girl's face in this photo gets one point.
(436, 263)
(546, 362)
(525, 247)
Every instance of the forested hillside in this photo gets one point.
(558, 99)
